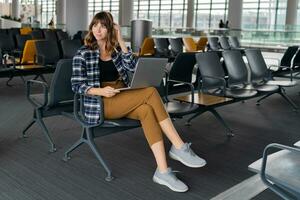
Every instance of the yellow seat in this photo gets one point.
(29, 52)
(189, 44)
(25, 30)
(201, 44)
(147, 48)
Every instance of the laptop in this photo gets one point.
(148, 72)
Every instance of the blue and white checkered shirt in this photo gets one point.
(86, 74)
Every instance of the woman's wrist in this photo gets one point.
(95, 91)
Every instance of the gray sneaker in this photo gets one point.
(170, 180)
(186, 156)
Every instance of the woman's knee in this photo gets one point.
(151, 90)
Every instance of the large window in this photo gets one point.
(96, 6)
(208, 13)
(27, 2)
(47, 11)
(27, 11)
(163, 13)
(264, 14)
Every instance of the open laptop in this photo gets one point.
(148, 72)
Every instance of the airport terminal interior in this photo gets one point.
(230, 82)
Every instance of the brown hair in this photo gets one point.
(106, 19)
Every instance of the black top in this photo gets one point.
(108, 71)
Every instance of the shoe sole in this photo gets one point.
(173, 156)
(162, 182)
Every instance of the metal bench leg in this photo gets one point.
(92, 145)
(262, 98)
(9, 79)
(295, 107)
(40, 121)
(33, 120)
(220, 119)
(188, 122)
(43, 78)
(23, 79)
(74, 146)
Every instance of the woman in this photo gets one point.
(100, 67)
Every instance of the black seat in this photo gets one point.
(3, 31)
(21, 40)
(181, 74)
(6, 44)
(285, 65)
(13, 32)
(176, 46)
(237, 72)
(80, 35)
(61, 35)
(213, 43)
(224, 43)
(280, 171)
(47, 52)
(213, 77)
(234, 42)
(261, 74)
(50, 35)
(83, 34)
(37, 34)
(70, 47)
(162, 47)
(54, 100)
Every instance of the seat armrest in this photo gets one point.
(297, 144)
(265, 158)
(79, 110)
(185, 83)
(216, 78)
(45, 93)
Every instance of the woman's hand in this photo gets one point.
(108, 91)
(105, 91)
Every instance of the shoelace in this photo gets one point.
(189, 150)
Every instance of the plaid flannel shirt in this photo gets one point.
(86, 74)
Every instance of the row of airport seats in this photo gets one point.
(211, 82)
(36, 55)
(223, 43)
(37, 33)
(170, 47)
(289, 64)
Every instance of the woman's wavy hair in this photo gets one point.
(106, 19)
